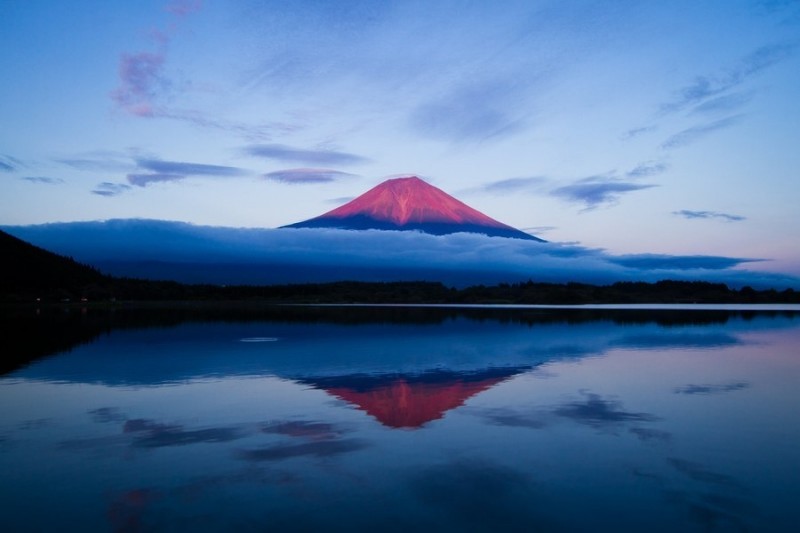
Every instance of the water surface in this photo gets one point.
(353, 419)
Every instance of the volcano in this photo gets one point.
(411, 204)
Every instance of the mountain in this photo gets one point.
(29, 271)
(411, 204)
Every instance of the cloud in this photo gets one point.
(306, 175)
(8, 163)
(171, 171)
(321, 448)
(597, 190)
(695, 133)
(472, 112)
(281, 152)
(596, 411)
(340, 200)
(43, 180)
(698, 472)
(647, 169)
(679, 262)
(187, 169)
(141, 82)
(99, 162)
(514, 184)
(181, 8)
(106, 415)
(536, 230)
(648, 434)
(636, 132)
(705, 87)
(312, 255)
(110, 189)
(712, 389)
(725, 103)
(143, 180)
(686, 213)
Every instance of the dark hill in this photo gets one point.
(28, 271)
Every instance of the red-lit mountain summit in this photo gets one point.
(411, 204)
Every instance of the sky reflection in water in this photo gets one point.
(452, 421)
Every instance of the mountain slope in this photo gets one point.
(27, 270)
(411, 204)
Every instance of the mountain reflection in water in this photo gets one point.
(412, 400)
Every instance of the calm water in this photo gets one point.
(354, 419)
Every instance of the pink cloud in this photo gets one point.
(181, 8)
(141, 80)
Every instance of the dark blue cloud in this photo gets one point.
(695, 133)
(597, 411)
(306, 175)
(712, 389)
(187, 169)
(43, 180)
(281, 152)
(597, 190)
(686, 213)
(678, 262)
(143, 180)
(110, 189)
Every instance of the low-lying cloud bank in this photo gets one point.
(189, 253)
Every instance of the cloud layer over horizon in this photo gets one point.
(330, 254)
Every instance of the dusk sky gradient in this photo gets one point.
(662, 128)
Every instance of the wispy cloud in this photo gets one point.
(99, 162)
(647, 169)
(636, 132)
(723, 104)
(8, 163)
(597, 190)
(160, 171)
(108, 188)
(143, 180)
(695, 133)
(43, 180)
(686, 213)
(306, 175)
(141, 83)
(187, 169)
(597, 411)
(144, 88)
(181, 8)
(711, 388)
(281, 152)
(679, 262)
(705, 87)
(514, 184)
(472, 112)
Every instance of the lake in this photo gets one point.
(400, 418)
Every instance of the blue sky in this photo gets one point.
(666, 128)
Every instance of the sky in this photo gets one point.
(642, 129)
